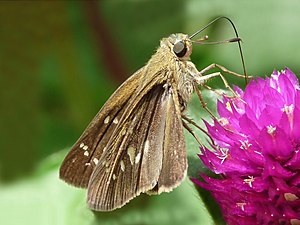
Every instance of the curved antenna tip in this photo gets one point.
(236, 39)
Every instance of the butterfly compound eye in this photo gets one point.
(180, 48)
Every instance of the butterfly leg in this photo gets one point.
(198, 92)
(201, 79)
(190, 121)
(214, 65)
(186, 126)
(217, 92)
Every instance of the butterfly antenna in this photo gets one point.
(237, 36)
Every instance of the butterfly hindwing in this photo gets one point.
(133, 162)
(174, 165)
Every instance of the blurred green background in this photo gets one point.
(60, 61)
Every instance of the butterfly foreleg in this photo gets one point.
(225, 70)
(189, 129)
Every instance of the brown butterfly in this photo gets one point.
(135, 144)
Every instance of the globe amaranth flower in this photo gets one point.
(257, 154)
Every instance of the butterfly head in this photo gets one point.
(180, 45)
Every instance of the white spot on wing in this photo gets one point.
(115, 121)
(85, 147)
(86, 153)
(146, 146)
(106, 121)
(137, 158)
(87, 164)
(95, 160)
(131, 154)
(175, 154)
(114, 177)
(81, 145)
(122, 165)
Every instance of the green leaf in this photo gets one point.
(44, 199)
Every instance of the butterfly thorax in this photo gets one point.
(180, 70)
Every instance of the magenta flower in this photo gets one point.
(257, 158)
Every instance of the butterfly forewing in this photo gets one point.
(78, 165)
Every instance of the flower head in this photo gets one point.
(257, 153)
